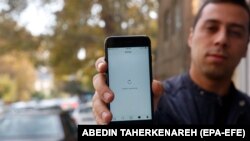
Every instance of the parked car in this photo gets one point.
(37, 125)
(2, 107)
(83, 114)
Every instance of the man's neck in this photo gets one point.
(219, 87)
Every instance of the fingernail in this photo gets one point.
(99, 65)
(106, 96)
(104, 115)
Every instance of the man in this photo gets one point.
(205, 95)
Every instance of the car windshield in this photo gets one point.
(30, 126)
(86, 110)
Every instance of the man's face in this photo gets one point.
(219, 40)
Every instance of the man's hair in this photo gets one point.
(241, 3)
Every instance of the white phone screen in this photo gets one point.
(129, 79)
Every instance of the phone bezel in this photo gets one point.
(131, 41)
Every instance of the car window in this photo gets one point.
(31, 126)
(86, 110)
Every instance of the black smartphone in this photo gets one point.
(129, 76)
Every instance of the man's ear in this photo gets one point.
(190, 37)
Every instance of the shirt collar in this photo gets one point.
(187, 80)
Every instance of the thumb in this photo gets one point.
(158, 90)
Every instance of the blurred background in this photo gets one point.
(48, 47)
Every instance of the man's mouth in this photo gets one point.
(217, 58)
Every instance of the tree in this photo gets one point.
(86, 23)
(17, 53)
(7, 88)
(12, 36)
(81, 24)
(17, 76)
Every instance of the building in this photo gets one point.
(172, 54)
(175, 20)
(44, 81)
(242, 76)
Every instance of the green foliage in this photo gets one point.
(81, 24)
(17, 76)
(15, 38)
(38, 95)
(8, 88)
(86, 23)
(17, 54)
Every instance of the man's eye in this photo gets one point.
(235, 33)
(212, 28)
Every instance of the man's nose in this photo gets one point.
(221, 38)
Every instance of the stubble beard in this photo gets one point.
(216, 72)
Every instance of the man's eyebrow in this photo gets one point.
(233, 24)
(209, 21)
(236, 25)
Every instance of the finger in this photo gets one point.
(99, 83)
(100, 110)
(101, 65)
(157, 91)
(157, 88)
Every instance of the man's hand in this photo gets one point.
(103, 95)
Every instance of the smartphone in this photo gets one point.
(129, 76)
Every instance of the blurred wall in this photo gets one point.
(175, 20)
(242, 76)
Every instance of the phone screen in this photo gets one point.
(129, 79)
